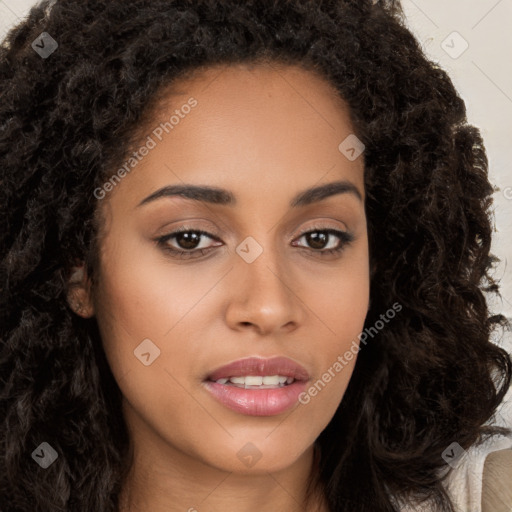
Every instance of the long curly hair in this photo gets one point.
(432, 377)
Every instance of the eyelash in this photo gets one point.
(345, 237)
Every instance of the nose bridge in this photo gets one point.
(264, 296)
(262, 264)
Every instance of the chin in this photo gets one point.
(257, 457)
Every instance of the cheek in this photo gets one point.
(139, 304)
(340, 299)
(140, 295)
(141, 298)
(342, 306)
(337, 354)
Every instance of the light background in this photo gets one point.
(482, 73)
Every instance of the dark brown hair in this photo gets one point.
(429, 378)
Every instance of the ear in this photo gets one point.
(79, 293)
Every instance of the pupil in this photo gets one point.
(313, 240)
(188, 238)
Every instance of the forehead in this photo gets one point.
(274, 128)
(249, 94)
(253, 79)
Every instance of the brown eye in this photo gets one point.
(187, 242)
(326, 241)
(188, 239)
(317, 240)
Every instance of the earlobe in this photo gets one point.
(79, 293)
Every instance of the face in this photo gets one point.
(261, 270)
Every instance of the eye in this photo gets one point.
(326, 241)
(190, 243)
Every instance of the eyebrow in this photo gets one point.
(224, 197)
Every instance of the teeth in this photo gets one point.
(253, 380)
(257, 381)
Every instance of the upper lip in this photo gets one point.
(261, 366)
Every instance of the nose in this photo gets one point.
(265, 296)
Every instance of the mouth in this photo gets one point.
(257, 381)
(258, 386)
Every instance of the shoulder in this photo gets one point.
(497, 476)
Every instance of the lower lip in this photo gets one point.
(257, 402)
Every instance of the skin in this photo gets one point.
(265, 133)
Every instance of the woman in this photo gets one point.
(244, 250)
